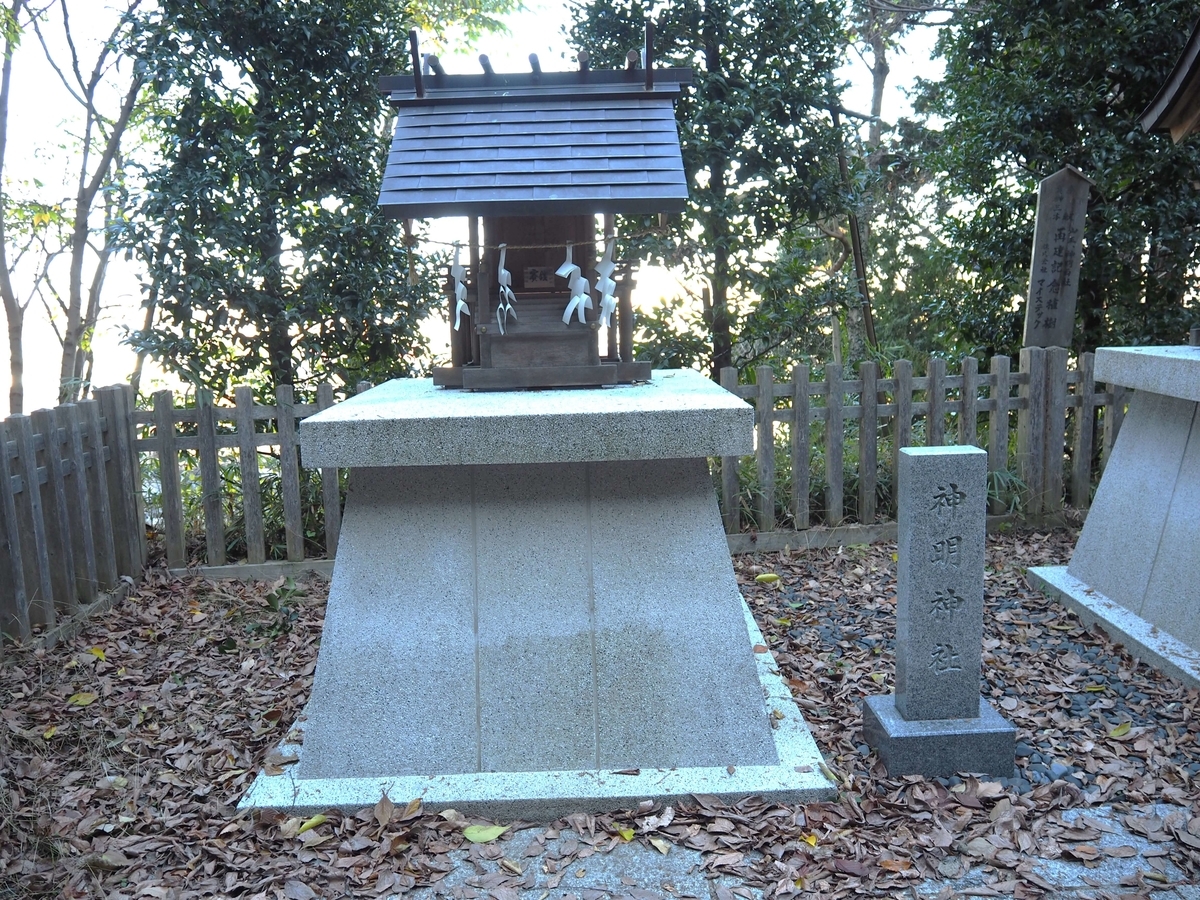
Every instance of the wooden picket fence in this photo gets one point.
(210, 432)
(83, 526)
(71, 521)
(1056, 411)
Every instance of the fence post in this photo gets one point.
(15, 597)
(1056, 427)
(168, 478)
(210, 479)
(289, 472)
(968, 425)
(801, 447)
(1031, 428)
(729, 468)
(102, 522)
(1114, 415)
(128, 401)
(38, 583)
(834, 445)
(1085, 430)
(252, 511)
(56, 519)
(79, 506)
(868, 442)
(765, 447)
(903, 422)
(122, 485)
(331, 494)
(935, 396)
(998, 403)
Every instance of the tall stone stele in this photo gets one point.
(937, 723)
(1057, 253)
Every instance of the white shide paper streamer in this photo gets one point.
(606, 286)
(581, 290)
(457, 272)
(505, 309)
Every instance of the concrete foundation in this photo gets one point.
(503, 636)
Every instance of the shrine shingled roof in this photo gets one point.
(1176, 107)
(554, 143)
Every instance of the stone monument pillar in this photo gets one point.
(937, 723)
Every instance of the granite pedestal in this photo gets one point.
(936, 723)
(1136, 568)
(533, 609)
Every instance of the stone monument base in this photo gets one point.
(544, 796)
(933, 747)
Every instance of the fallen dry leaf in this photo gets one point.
(298, 890)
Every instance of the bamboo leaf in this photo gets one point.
(483, 834)
(310, 824)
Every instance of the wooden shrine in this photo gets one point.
(532, 160)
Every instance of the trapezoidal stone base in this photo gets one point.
(544, 796)
(1138, 546)
(533, 618)
(505, 639)
(933, 747)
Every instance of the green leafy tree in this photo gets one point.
(1030, 86)
(267, 259)
(759, 149)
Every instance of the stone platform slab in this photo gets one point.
(1143, 640)
(1171, 371)
(937, 747)
(796, 775)
(409, 422)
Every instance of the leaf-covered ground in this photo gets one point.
(124, 751)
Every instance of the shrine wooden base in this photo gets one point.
(502, 378)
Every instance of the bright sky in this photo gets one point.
(44, 121)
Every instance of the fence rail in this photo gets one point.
(96, 467)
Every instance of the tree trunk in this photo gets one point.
(16, 358)
(13, 311)
(879, 76)
(89, 188)
(717, 227)
(1089, 300)
(279, 348)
